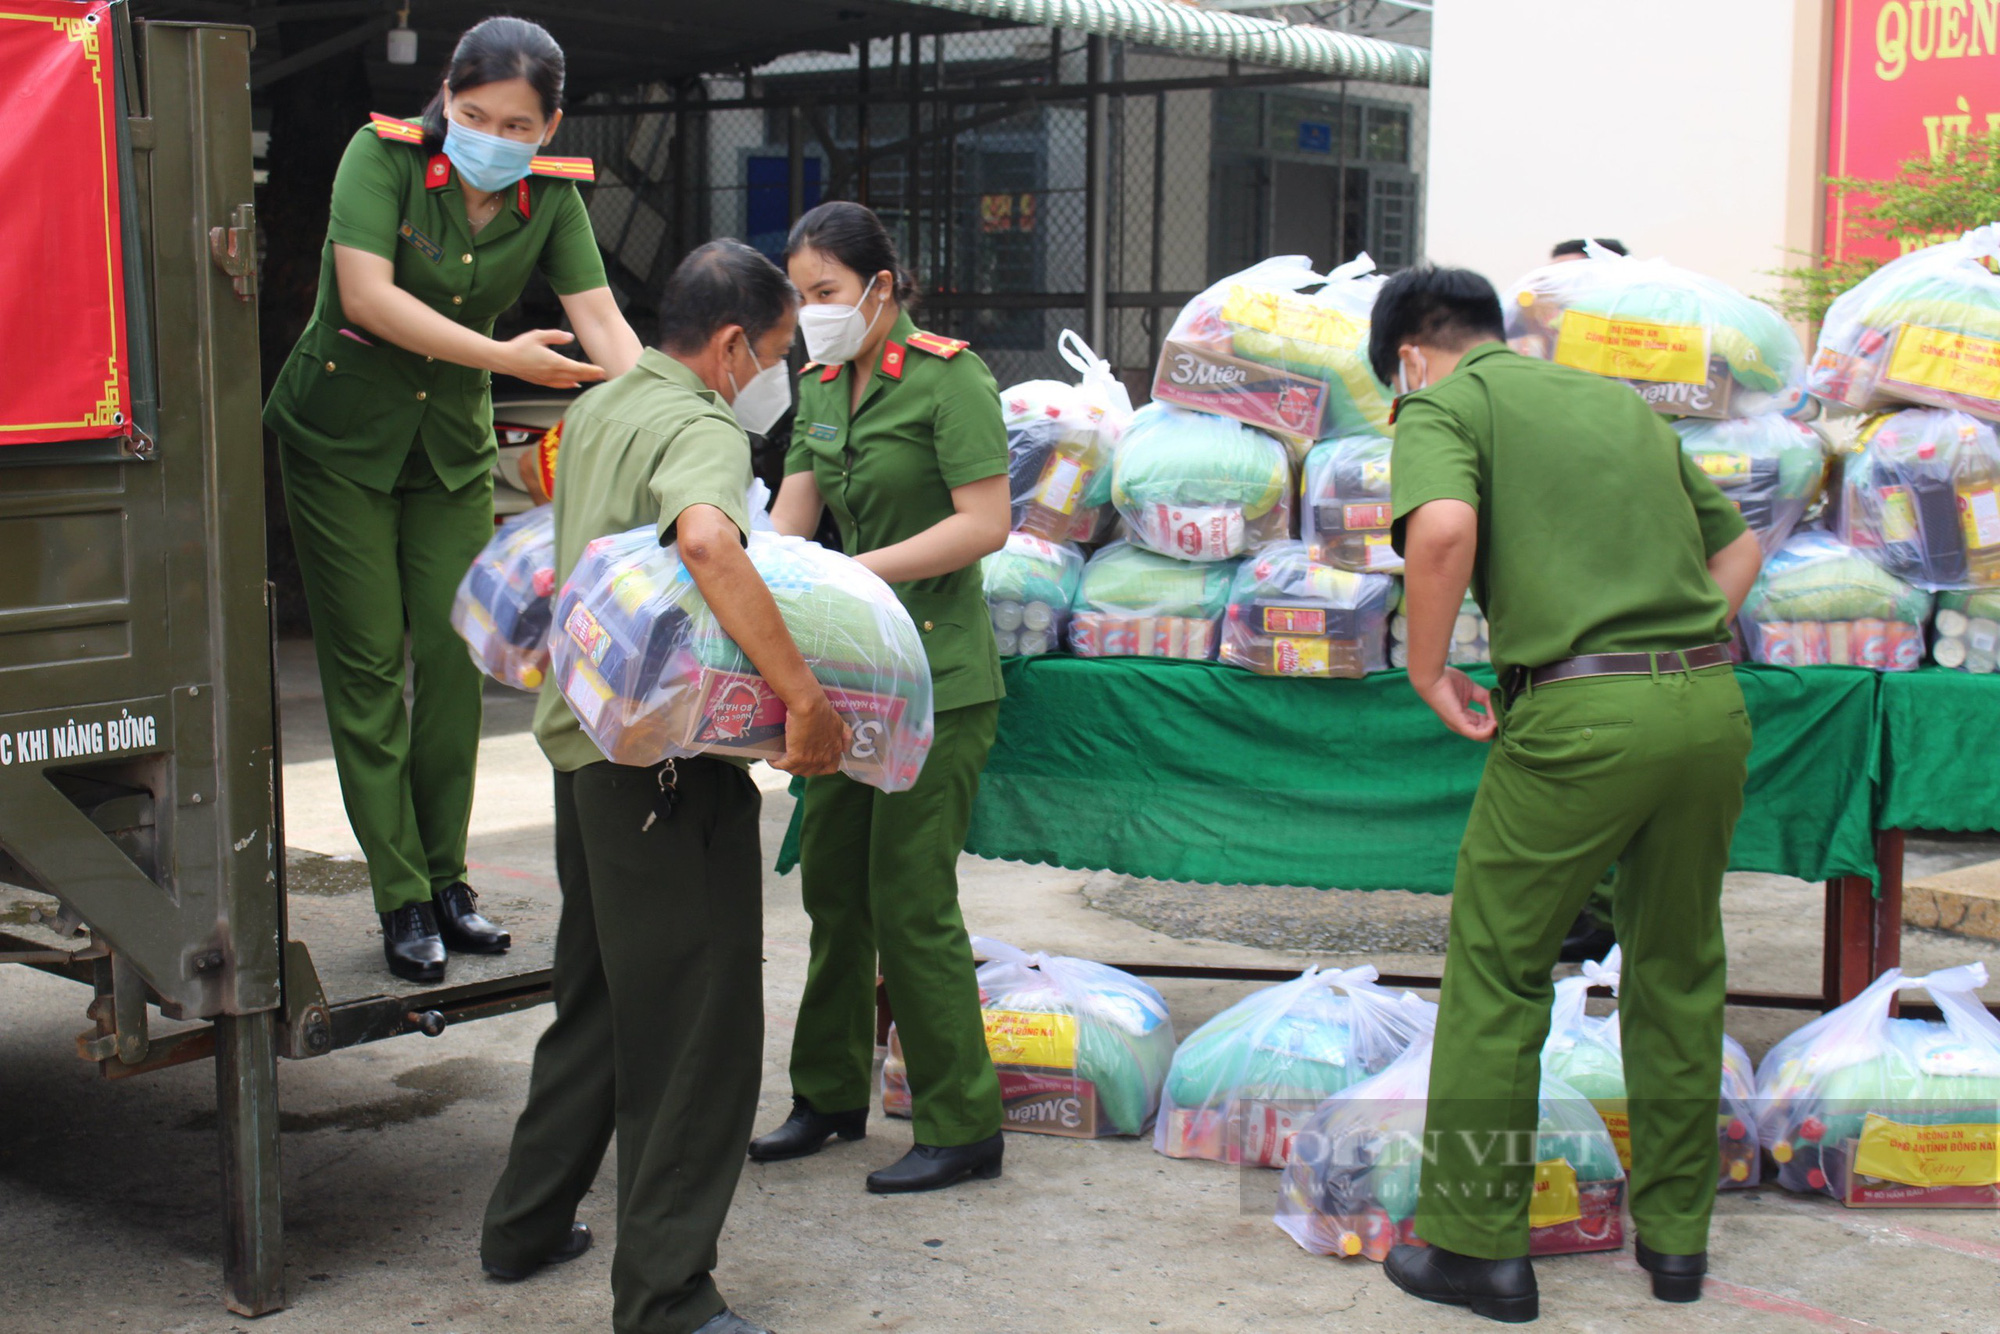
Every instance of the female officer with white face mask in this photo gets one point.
(386, 419)
(900, 433)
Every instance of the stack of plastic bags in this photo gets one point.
(1060, 442)
(1875, 1110)
(1470, 635)
(1199, 487)
(1818, 601)
(502, 610)
(1587, 1053)
(1081, 1049)
(1344, 505)
(650, 674)
(1770, 467)
(1966, 632)
(1922, 499)
(1262, 348)
(1133, 602)
(1243, 1083)
(1351, 1187)
(1289, 615)
(1030, 585)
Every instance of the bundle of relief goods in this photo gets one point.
(1770, 467)
(1470, 635)
(1243, 1082)
(502, 609)
(650, 673)
(1922, 498)
(1818, 601)
(1060, 441)
(1081, 1049)
(1200, 488)
(1965, 635)
(1691, 346)
(1289, 615)
(1030, 585)
(1923, 328)
(1344, 504)
(1352, 1184)
(1587, 1053)
(1873, 1110)
(1281, 348)
(1132, 602)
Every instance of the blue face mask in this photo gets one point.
(486, 161)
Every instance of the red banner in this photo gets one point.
(64, 368)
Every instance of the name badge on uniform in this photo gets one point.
(426, 247)
(822, 431)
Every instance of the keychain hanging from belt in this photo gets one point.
(668, 793)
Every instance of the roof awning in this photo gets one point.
(1215, 34)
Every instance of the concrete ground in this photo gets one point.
(108, 1191)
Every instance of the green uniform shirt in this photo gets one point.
(1595, 527)
(357, 402)
(929, 421)
(637, 450)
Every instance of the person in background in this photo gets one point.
(1566, 251)
(659, 993)
(899, 432)
(1608, 567)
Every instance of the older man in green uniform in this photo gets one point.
(1609, 567)
(658, 972)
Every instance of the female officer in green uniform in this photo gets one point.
(900, 433)
(386, 419)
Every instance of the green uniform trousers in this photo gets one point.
(659, 1032)
(381, 568)
(1646, 769)
(879, 874)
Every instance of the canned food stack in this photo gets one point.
(1060, 441)
(1922, 498)
(1030, 586)
(1818, 601)
(1290, 615)
(1469, 635)
(1771, 467)
(1132, 602)
(502, 609)
(1345, 505)
(1965, 634)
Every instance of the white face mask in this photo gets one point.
(760, 403)
(835, 333)
(1403, 385)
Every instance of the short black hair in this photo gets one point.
(1575, 247)
(719, 284)
(1448, 309)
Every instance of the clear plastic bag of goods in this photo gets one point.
(1289, 615)
(1198, 487)
(1352, 1183)
(1469, 635)
(651, 675)
(1132, 602)
(1081, 1048)
(1282, 348)
(1965, 633)
(1770, 467)
(503, 607)
(1242, 1083)
(1875, 1110)
(1060, 442)
(1587, 1053)
(1922, 498)
(1923, 328)
(1030, 586)
(1344, 506)
(1818, 601)
(1691, 346)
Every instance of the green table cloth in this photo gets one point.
(1941, 750)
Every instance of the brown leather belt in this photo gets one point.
(1673, 661)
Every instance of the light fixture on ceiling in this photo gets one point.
(402, 40)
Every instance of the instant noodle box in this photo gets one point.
(503, 606)
(1922, 499)
(1291, 616)
(1818, 601)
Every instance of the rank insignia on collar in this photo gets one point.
(822, 431)
(892, 360)
(438, 175)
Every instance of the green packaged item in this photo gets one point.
(1818, 602)
(1198, 487)
(1770, 467)
(1135, 602)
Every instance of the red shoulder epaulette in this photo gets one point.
(938, 345)
(561, 168)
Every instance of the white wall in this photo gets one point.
(1673, 127)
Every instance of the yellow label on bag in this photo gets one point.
(1633, 349)
(1979, 511)
(1289, 315)
(1722, 467)
(1619, 1123)
(1899, 515)
(1024, 1037)
(1555, 1199)
(1952, 363)
(1947, 1155)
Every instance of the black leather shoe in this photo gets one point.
(1591, 938)
(729, 1323)
(459, 922)
(1676, 1278)
(411, 943)
(575, 1244)
(806, 1131)
(1497, 1289)
(927, 1167)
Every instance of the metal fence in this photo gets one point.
(1034, 179)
